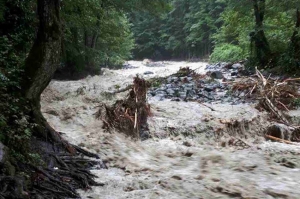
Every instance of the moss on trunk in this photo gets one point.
(42, 62)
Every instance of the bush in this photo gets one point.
(227, 53)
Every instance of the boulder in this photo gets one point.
(216, 75)
(281, 131)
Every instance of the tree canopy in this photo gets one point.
(70, 39)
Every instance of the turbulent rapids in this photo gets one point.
(203, 142)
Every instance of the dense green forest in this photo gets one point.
(74, 38)
(106, 33)
(264, 32)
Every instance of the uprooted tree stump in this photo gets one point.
(130, 115)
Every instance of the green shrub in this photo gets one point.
(227, 53)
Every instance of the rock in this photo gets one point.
(169, 80)
(160, 92)
(148, 73)
(191, 85)
(182, 78)
(145, 135)
(170, 91)
(191, 93)
(287, 162)
(175, 79)
(228, 65)
(189, 79)
(234, 73)
(182, 94)
(216, 75)
(175, 99)
(237, 66)
(187, 143)
(177, 177)
(169, 86)
(128, 66)
(209, 89)
(280, 131)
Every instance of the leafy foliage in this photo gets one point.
(227, 53)
(182, 31)
(97, 33)
(16, 37)
(278, 25)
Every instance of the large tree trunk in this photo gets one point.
(261, 45)
(42, 62)
(295, 40)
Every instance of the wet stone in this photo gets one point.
(234, 73)
(209, 89)
(237, 66)
(170, 91)
(169, 86)
(174, 79)
(160, 92)
(176, 99)
(190, 79)
(216, 75)
(148, 73)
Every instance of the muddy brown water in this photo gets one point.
(185, 159)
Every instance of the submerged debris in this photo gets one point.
(129, 116)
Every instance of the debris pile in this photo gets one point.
(224, 84)
(277, 97)
(274, 95)
(187, 85)
(130, 115)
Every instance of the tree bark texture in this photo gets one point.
(42, 61)
(295, 39)
(261, 46)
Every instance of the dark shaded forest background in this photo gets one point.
(106, 33)
(79, 37)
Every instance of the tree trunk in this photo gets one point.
(261, 45)
(295, 40)
(42, 62)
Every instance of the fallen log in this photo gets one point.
(281, 140)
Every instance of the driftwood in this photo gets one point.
(130, 115)
(281, 140)
(273, 94)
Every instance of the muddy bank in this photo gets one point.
(194, 152)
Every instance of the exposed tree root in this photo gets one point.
(130, 115)
(65, 174)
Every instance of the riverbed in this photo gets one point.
(186, 157)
